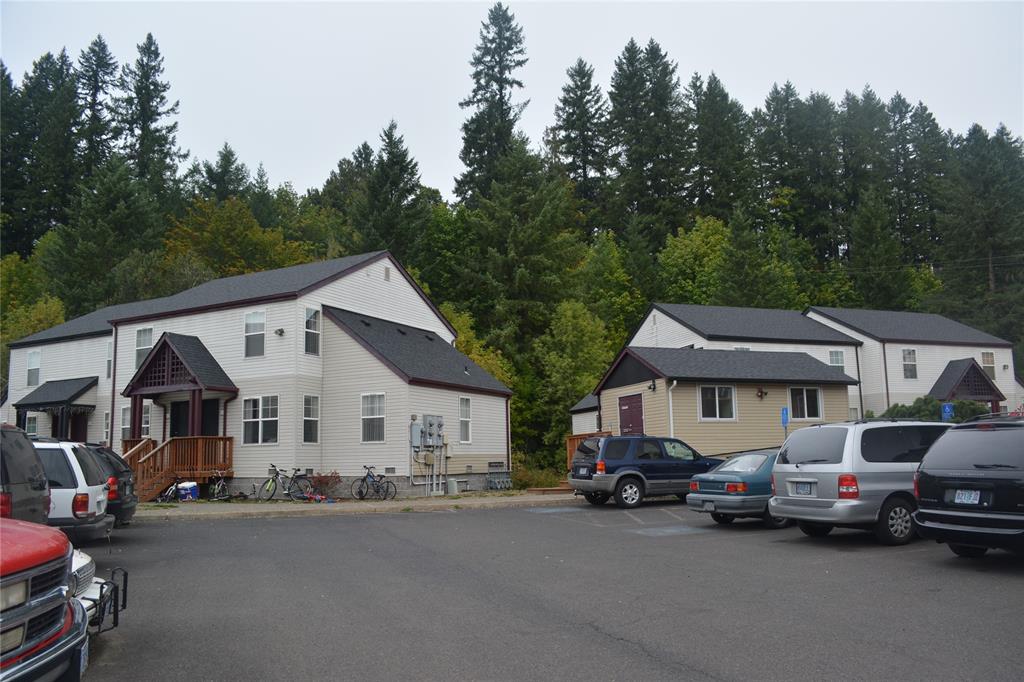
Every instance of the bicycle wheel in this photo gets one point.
(359, 488)
(390, 490)
(268, 489)
(218, 490)
(300, 488)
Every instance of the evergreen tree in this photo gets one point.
(97, 76)
(228, 177)
(143, 120)
(346, 181)
(755, 275)
(863, 140)
(692, 262)
(722, 170)
(820, 195)
(261, 199)
(929, 186)
(876, 257)
(17, 235)
(607, 290)
(899, 153)
(776, 143)
(489, 132)
(580, 128)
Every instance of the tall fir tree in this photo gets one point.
(489, 132)
(227, 177)
(97, 76)
(722, 171)
(820, 196)
(580, 132)
(144, 121)
(876, 256)
(261, 199)
(929, 185)
(16, 233)
(863, 141)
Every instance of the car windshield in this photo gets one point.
(814, 446)
(743, 463)
(978, 448)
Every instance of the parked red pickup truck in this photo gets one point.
(43, 629)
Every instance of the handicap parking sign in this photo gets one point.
(947, 411)
(785, 416)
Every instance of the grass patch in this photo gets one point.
(407, 509)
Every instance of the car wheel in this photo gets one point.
(895, 524)
(629, 493)
(723, 519)
(773, 522)
(596, 499)
(815, 530)
(968, 551)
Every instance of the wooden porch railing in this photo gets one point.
(196, 458)
(135, 449)
(573, 442)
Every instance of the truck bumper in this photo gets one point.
(65, 659)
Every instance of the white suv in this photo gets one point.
(78, 490)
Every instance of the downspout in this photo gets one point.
(885, 369)
(671, 415)
(860, 381)
(113, 387)
(226, 401)
(508, 433)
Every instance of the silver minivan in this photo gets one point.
(852, 475)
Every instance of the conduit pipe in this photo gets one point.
(671, 415)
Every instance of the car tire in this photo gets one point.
(895, 524)
(596, 499)
(967, 551)
(815, 530)
(773, 522)
(629, 493)
(723, 519)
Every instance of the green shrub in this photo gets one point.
(535, 478)
(927, 408)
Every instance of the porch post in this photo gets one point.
(21, 418)
(195, 412)
(136, 426)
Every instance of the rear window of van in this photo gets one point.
(978, 449)
(814, 446)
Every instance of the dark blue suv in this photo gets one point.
(634, 467)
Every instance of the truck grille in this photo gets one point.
(48, 579)
(44, 623)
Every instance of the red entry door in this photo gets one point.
(631, 414)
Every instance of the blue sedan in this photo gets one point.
(739, 488)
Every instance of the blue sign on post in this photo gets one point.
(785, 421)
(947, 411)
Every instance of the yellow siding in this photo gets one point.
(655, 407)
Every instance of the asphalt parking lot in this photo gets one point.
(569, 592)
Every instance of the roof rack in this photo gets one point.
(992, 416)
(875, 420)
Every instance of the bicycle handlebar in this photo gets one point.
(369, 468)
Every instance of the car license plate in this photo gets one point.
(967, 496)
(582, 471)
(802, 489)
(83, 660)
(709, 506)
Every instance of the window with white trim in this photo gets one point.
(126, 422)
(106, 426)
(805, 403)
(988, 363)
(34, 358)
(909, 363)
(373, 414)
(255, 333)
(32, 426)
(465, 420)
(854, 413)
(717, 403)
(110, 358)
(143, 344)
(312, 331)
(310, 419)
(259, 420)
(837, 358)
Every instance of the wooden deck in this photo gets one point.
(195, 458)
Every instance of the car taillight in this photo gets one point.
(112, 484)
(6, 506)
(600, 466)
(735, 487)
(848, 489)
(773, 483)
(917, 487)
(80, 505)
(694, 486)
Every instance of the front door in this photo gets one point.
(631, 415)
(179, 418)
(211, 410)
(80, 427)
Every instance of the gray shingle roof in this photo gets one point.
(753, 324)
(954, 374)
(199, 360)
(739, 365)
(418, 355)
(53, 393)
(586, 404)
(889, 325)
(219, 292)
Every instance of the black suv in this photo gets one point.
(121, 498)
(24, 493)
(970, 487)
(634, 467)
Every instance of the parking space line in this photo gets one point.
(635, 518)
(673, 514)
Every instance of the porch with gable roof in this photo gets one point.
(181, 374)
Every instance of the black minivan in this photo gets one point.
(24, 491)
(970, 487)
(121, 498)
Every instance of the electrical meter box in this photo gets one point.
(416, 434)
(433, 431)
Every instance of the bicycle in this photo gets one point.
(374, 484)
(219, 490)
(297, 486)
(170, 494)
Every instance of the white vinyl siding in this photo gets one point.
(312, 324)
(717, 403)
(373, 417)
(255, 333)
(909, 363)
(310, 419)
(465, 420)
(661, 331)
(143, 344)
(259, 420)
(805, 403)
(34, 360)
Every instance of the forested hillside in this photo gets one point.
(660, 187)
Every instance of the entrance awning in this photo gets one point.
(58, 395)
(178, 362)
(965, 380)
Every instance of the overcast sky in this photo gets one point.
(298, 86)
